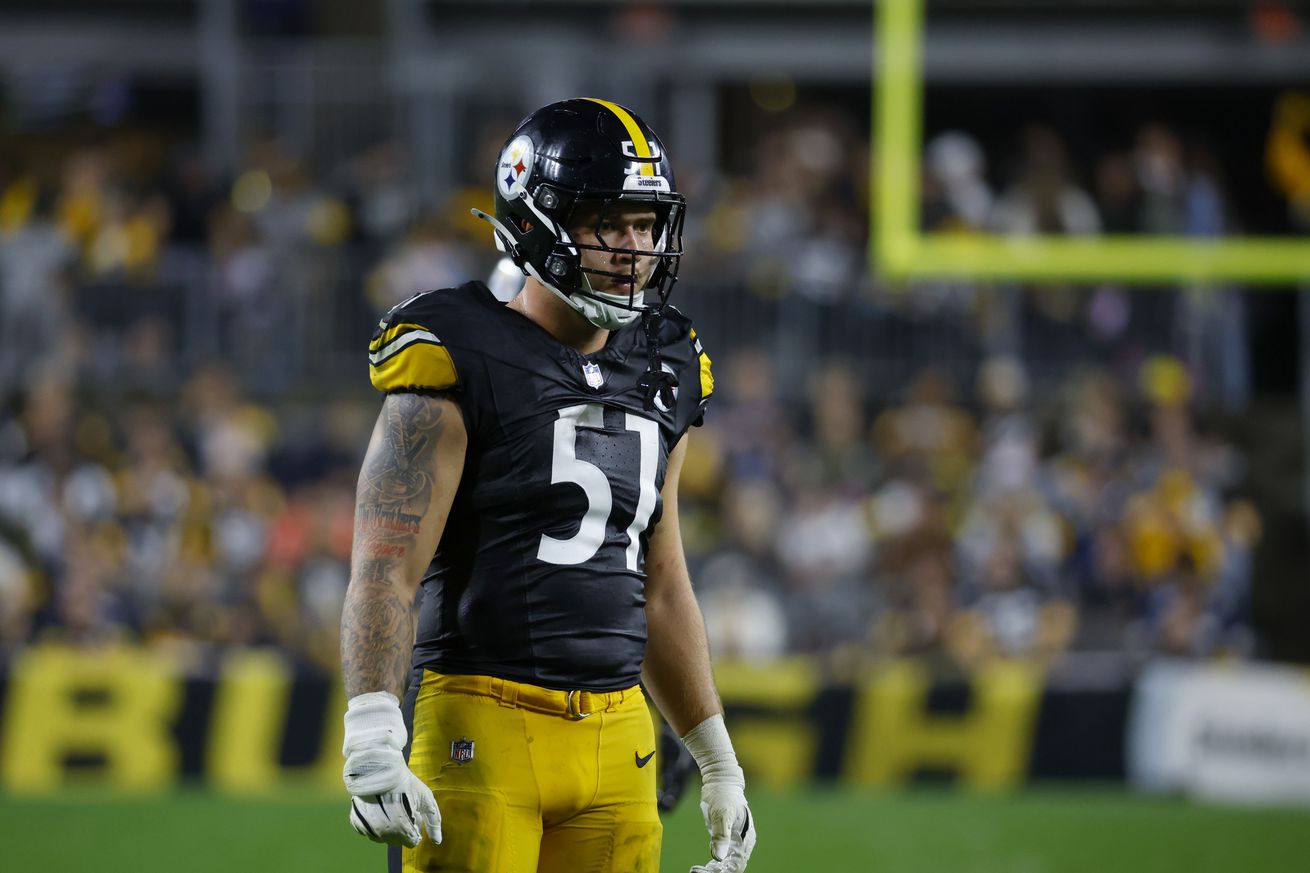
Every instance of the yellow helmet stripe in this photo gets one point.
(639, 143)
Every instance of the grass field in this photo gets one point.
(1038, 831)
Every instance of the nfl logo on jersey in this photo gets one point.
(593, 374)
(461, 751)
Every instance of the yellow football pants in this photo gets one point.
(540, 790)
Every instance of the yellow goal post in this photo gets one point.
(900, 251)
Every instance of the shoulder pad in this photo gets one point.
(406, 353)
(674, 325)
(676, 328)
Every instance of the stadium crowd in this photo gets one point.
(199, 498)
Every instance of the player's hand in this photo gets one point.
(388, 801)
(722, 799)
(731, 825)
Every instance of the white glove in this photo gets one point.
(388, 800)
(722, 798)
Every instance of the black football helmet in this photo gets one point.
(575, 158)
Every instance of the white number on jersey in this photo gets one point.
(567, 467)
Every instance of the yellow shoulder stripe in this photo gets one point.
(421, 365)
(639, 143)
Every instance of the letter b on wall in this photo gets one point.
(114, 708)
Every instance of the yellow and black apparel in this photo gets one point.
(537, 584)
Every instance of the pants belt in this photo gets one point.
(570, 704)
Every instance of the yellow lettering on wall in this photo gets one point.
(776, 750)
(117, 705)
(249, 716)
(989, 746)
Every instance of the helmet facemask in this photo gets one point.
(585, 287)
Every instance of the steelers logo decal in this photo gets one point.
(515, 167)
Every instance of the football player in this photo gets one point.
(524, 470)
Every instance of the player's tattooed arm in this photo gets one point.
(406, 485)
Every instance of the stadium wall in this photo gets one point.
(141, 721)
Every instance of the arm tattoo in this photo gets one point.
(395, 490)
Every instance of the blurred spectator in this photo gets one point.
(920, 600)
(1012, 613)
(1045, 199)
(957, 195)
(1118, 194)
(930, 434)
(36, 255)
(749, 414)
(1158, 163)
(18, 598)
(428, 257)
(383, 200)
(1177, 621)
(836, 456)
(738, 587)
(1009, 461)
(1109, 593)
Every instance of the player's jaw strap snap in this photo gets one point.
(575, 704)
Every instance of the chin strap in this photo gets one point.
(656, 382)
(595, 311)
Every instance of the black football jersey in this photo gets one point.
(540, 573)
